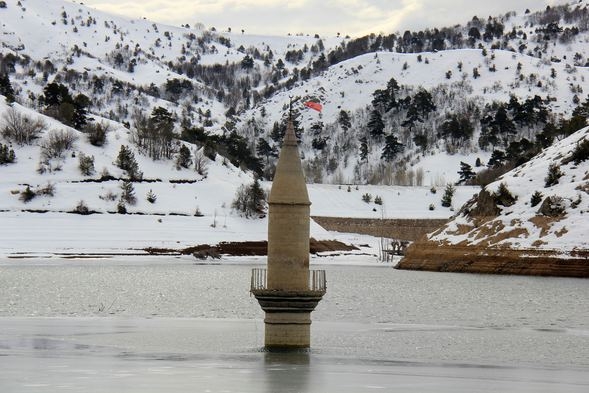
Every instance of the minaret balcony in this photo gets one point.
(291, 300)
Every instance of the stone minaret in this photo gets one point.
(288, 291)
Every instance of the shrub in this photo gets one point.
(151, 197)
(57, 143)
(250, 200)
(554, 174)
(378, 200)
(81, 208)
(27, 195)
(86, 164)
(96, 133)
(536, 198)
(109, 196)
(7, 155)
(21, 129)
(48, 190)
(367, 198)
(580, 153)
(433, 190)
(432, 206)
(121, 208)
(503, 196)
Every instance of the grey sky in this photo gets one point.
(325, 17)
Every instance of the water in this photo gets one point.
(166, 324)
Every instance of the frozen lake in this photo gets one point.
(168, 325)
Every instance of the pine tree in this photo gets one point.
(79, 117)
(466, 173)
(448, 194)
(151, 197)
(497, 159)
(363, 149)
(128, 193)
(7, 155)
(184, 158)
(344, 120)
(264, 149)
(6, 88)
(257, 198)
(375, 125)
(126, 161)
(391, 148)
(536, 198)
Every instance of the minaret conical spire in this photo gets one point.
(288, 185)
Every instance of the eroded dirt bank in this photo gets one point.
(424, 255)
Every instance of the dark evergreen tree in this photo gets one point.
(448, 195)
(7, 155)
(423, 103)
(497, 159)
(151, 197)
(126, 161)
(391, 148)
(128, 193)
(536, 198)
(55, 94)
(264, 149)
(247, 63)
(457, 129)
(6, 88)
(184, 158)
(466, 173)
(363, 149)
(79, 117)
(258, 198)
(421, 141)
(375, 125)
(412, 117)
(344, 120)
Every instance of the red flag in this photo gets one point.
(314, 105)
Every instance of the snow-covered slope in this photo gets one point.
(556, 220)
(533, 220)
(136, 60)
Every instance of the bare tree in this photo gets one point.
(21, 129)
(201, 163)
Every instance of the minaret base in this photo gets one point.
(286, 330)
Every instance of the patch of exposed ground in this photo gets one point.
(249, 248)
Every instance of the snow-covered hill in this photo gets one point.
(515, 86)
(533, 220)
(130, 66)
(556, 219)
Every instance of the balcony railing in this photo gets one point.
(317, 281)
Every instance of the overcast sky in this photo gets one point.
(325, 17)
